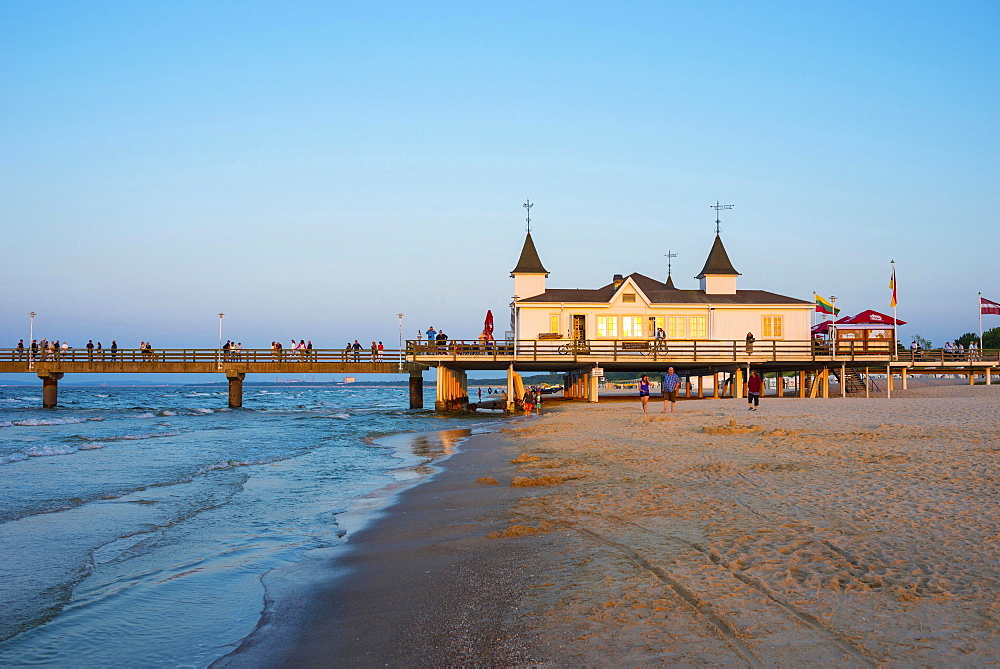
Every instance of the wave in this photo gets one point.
(46, 451)
(195, 412)
(166, 413)
(35, 422)
(12, 457)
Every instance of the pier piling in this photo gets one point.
(235, 389)
(416, 390)
(50, 388)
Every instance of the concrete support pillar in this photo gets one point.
(843, 380)
(701, 387)
(416, 390)
(988, 370)
(50, 388)
(779, 384)
(972, 380)
(802, 384)
(905, 375)
(715, 389)
(452, 389)
(235, 389)
(738, 383)
(867, 385)
(826, 383)
(592, 382)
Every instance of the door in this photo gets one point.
(579, 327)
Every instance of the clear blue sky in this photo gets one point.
(311, 169)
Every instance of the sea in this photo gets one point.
(138, 524)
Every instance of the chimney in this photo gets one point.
(618, 280)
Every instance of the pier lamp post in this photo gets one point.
(31, 338)
(400, 316)
(833, 325)
(218, 355)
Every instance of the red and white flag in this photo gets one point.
(988, 306)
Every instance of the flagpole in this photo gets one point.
(980, 321)
(895, 323)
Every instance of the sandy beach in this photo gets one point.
(839, 531)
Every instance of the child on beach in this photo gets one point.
(644, 393)
(753, 390)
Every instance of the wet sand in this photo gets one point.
(839, 531)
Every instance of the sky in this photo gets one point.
(313, 169)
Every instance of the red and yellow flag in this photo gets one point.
(892, 287)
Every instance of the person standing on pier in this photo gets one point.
(20, 350)
(381, 348)
(750, 341)
(309, 349)
(431, 334)
(374, 350)
(356, 347)
(114, 349)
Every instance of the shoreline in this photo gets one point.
(831, 531)
(306, 604)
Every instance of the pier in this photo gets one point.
(580, 362)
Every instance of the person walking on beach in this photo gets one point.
(754, 384)
(644, 393)
(670, 383)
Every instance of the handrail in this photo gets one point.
(612, 350)
(183, 355)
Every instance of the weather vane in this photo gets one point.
(528, 205)
(719, 207)
(669, 256)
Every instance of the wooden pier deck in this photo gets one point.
(454, 359)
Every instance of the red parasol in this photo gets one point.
(488, 325)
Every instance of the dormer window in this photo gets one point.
(628, 297)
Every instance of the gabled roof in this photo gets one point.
(529, 263)
(718, 262)
(660, 293)
(870, 317)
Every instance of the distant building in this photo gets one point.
(636, 307)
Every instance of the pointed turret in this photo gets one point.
(718, 277)
(670, 283)
(529, 274)
(529, 263)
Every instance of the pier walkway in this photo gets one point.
(581, 362)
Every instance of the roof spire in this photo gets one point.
(719, 207)
(529, 262)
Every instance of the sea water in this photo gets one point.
(137, 524)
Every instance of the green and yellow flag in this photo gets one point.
(824, 306)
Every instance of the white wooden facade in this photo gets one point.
(636, 307)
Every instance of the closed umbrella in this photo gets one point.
(488, 325)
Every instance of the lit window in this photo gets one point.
(676, 329)
(607, 326)
(554, 323)
(699, 327)
(631, 326)
(628, 297)
(772, 327)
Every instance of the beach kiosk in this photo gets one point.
(869, 332)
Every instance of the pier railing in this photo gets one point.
(682, 350)
(203, 355)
